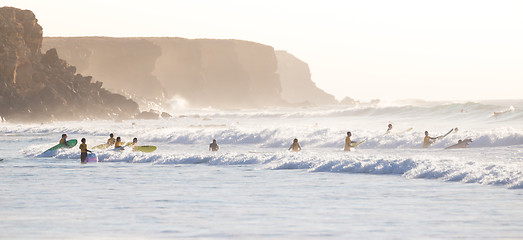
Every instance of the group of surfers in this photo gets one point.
(295, 146)
(427, 141)
(117, 143)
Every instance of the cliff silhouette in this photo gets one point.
(221, 73)
(43, 87)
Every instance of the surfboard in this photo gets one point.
(444, 135)
(101, 146)
(357, 144)
(91, 157)
(71, 144)
(145, 149)
(462, 144)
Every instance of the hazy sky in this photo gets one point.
(365, 49)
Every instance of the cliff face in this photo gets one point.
(39, 87)
(219, 73)
(206, 72)
(120, 63)
(296, 83)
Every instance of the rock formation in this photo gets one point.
(205, 72)
(41, 87)
(122, 64)
(296, 83)
(219, 73)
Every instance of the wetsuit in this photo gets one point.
(83, 155)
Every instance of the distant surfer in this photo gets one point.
(295, 146)
(496, 114)
(348, 142)
(214, 146)
(460, 144)
(118, 143)
(64, 140)
(83, 148)
(389, 128)
(111, 140)
(456, 130)
(135, 141)
(427, 141)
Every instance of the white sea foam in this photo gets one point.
(260, 138)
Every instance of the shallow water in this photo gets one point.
(387, 188)
(122, 200)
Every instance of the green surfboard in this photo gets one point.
(71, 143)
(145, 149)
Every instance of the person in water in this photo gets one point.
(64, 140)
(389, 129)
(295, 146)
(214, 146)
(348, 142)
(427, 141)
(118, 143)
(111, 140)
(135, 141)
(84, 151)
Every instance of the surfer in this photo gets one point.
(64, 140)
(83, 148)
(295, 146)
(118, 143)
(111, 140)
(427, 141)
(348, 142)
(214, 146)
(135, 141)
(389, 129)
(461, 144)
(456, 130)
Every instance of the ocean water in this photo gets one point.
(253, 188)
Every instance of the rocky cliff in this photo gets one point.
(296, 83)
(40, 87)
(206, 72)
(120, 63)
(219, 73)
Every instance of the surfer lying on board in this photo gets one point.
(64, 140)
(214, 146)
(83, 148)
(295, 146)
(427, 141)
(348, 142)
(461, 144)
